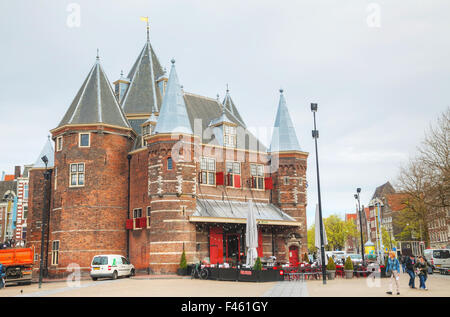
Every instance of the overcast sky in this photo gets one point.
(379, 70)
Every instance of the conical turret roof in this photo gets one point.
(47, 150)
(231, 107)
(143, 95)
(284, 137)
(95, 102)
(173, 117)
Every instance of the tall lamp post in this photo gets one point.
(44, 212)
(358, 190)
(315, 135)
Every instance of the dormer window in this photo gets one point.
(229, 136)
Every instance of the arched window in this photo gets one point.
(169, 163)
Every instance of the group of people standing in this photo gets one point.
(409, 265)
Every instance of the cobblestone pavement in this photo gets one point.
(142, 286)
(288, 289)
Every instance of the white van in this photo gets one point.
(111, 265)
(438, 258)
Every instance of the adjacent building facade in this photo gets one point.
(150, 171)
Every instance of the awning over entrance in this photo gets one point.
(236, 212)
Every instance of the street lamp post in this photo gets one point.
(315, 135)
(44, 211)
(358, 190)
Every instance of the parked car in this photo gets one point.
(356, 258)
(438, 258)
(112, 266)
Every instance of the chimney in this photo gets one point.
(16, 172)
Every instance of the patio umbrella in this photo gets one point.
(251, 235)
(317, 235)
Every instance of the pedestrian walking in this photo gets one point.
(393, 268)
(2, 276)
(422, 268)
(410, 263)
(403, 262)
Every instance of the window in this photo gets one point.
(77, 174)
(85, 140)
(59, 143)
(55, 252)
(25, 191)
(286, 180)
(149, 211)
(137, 213)
(56, 177)
(100, 260)
(169, 163)
(257, 173)
(25, 212)
(208, 171)
(233, 168)
(229, 136)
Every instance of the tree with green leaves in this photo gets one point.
(183, 263)
(336, 234)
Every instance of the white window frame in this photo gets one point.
(208, 169)
(79, 139)
(77, 173)
(137, 213)
(235, 170)
(229, 136)
(257, 172)
(55, 252)
(59, 143)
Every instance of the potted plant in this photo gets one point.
(348, 267)
(182, 270)
(331, 269)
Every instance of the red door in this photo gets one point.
(216, 245)
(293, 255)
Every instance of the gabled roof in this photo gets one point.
(173, 117)
(231, 107)
(6, 186)
(207, 109)
(284, 137)
(383, 190)
(224, 118)
(143, 95)
(95, 102)
(48, 151)
(397, 201)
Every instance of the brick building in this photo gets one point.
(148, 170)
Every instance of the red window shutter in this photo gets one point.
(200, 178)
(129, 224)
(237, 181)
(143, 222)
(268, 183)
(260, 244)
(216, 245)
(253, 182)
(219, 178)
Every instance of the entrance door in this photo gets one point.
(216, 245)
(233, 249)
(293, 255)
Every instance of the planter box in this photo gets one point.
(348, 273)
(213, 273)
(228, 274)
(182, 272)
(331, 275)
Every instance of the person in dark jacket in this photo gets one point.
(2, 276)
(409, 263)
(422, 269)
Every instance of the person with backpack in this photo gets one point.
(393, 268)
(410, 263)
(422, 269)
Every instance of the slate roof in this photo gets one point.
(284, 137)
(383, 190)
(48, 151)
(231, 107)
(6, 186)
(95, 102)
(238, 209)
(208, 109)
(143, 94)
(173, 117)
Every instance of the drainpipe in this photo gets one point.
(128, 206)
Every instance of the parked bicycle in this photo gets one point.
(198, 272)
